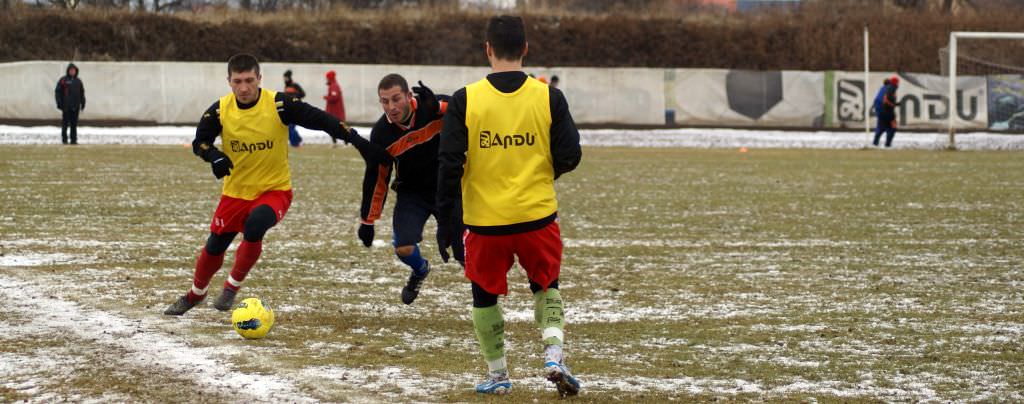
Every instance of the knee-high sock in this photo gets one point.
(246, 256)
(547, 312)
(206, 266)
(415, 261)
(490, 332)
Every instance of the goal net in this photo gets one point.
(998, 57)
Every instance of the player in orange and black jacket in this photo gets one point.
(257, 190)
(408, 129)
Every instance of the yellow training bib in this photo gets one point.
(509, 177)
(256, 141)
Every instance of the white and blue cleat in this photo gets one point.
(559, 374)
(496, 384)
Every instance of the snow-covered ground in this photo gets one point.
(697, 138)
(136, 340)
(835, 336)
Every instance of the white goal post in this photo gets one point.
(953, 36)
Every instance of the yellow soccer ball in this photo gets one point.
(252, 319)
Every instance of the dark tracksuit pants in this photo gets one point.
(885, 125)
(293, 136)
(70, 120)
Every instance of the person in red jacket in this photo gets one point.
(335, 101)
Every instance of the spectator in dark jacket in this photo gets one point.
(295, 90)
(70, 95)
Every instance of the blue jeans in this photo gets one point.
(411, 213)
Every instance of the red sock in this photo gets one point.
(246, 256)
(206, 266)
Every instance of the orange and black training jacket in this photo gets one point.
(414, 147)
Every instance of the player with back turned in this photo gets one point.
(505, 140)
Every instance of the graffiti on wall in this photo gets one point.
(923, 100)
(1006, 102)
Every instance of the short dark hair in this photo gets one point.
(243, 62)
(507, 36)
(391, 80)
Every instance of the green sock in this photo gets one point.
(490, 332)
(547, 312)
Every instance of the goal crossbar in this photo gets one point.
(953, 36)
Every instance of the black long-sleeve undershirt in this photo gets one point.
(292, 111)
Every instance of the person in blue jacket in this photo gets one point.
(885, 107)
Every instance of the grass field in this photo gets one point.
(776, 275)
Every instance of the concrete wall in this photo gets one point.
(177, 92)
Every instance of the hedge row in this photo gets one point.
(805, 40)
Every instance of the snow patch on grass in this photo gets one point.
(143, 345)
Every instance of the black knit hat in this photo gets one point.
(288, 73)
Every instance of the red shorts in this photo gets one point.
(232, 212)
(489, 258)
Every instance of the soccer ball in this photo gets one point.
(252, 319)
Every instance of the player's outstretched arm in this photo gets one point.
(375, 192)
(295, 111)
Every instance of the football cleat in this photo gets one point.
(496, 383)
(180, 306)
(225, 300)
(559, 374)
(412, 288)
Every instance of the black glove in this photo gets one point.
(427, 98)
(345, 134)
(220, 163)
(443, 242)
(447, 234)
(459, 252)
(370, 151)
(366, 234)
